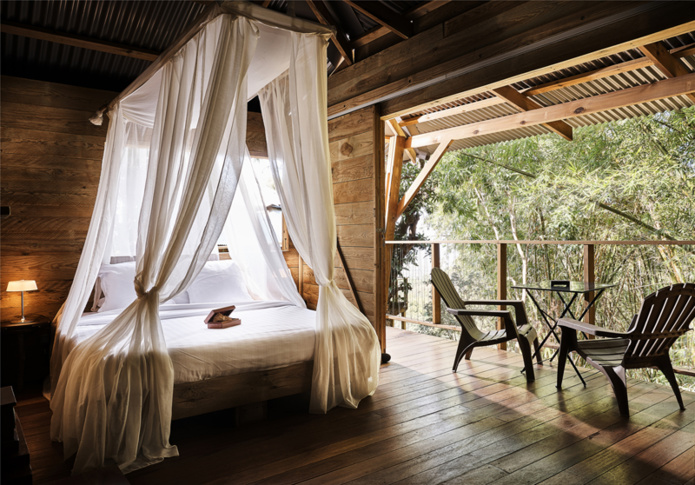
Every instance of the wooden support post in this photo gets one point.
(436, 300)
(501, 285)
(589, 277)
(392, 183)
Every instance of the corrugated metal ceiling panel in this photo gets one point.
(146, 25)
(635, 78)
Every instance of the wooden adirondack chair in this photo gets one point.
(472, 336)
(664, 316)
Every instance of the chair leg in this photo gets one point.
(465, 348)
(537, 350)
(568, 337)
(667, 369)
(525, 348)
(616, 375)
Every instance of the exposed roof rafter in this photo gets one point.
(524, 103)
(585, 77)
(457, 110)
(669, 65)
(641, 94)
(384, 16)
(78, 41)
(417, 12)
(339, 39)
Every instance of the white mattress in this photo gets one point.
(271, 335)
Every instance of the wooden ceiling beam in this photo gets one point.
(339, 39)
(502, 61)
(600, 73)
(684, 51)
(445, 113)
(642, 94)
(416, 13)
(385, 16)
(78, 41)
(669, 65)
(524, 103)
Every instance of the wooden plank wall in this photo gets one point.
(357, 164)
(51, 160)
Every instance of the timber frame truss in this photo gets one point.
(506, 112)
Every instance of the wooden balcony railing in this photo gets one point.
(502, 273)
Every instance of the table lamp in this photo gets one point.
(22, 285)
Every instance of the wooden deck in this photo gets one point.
(428, 425)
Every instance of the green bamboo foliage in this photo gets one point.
(624, 180)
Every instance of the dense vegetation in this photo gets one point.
(624, 180)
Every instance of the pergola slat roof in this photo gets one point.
(629, 69)
(655, 77)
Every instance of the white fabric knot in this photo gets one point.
(140, 289)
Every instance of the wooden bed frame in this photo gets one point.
(194, 398)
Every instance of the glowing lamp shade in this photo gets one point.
(22, 285)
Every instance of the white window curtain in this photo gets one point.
(113, 398)
(294, 109)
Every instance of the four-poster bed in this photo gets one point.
(174, 161)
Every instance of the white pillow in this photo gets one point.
(219, 281)
(116, 281)
(116, 286)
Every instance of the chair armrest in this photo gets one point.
(493, 302)
(589, 328)
(478, 313)
(509, 325)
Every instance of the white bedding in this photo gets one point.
(271, 335)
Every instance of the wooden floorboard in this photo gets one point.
(429, 425)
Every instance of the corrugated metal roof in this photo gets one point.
(617, 82)
(146, 25)
(149, 25)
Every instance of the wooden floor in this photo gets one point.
(428, 425)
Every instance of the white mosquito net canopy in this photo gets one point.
(173, 161)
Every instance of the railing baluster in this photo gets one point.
(436, 301)
(501, 285)
(589, 277)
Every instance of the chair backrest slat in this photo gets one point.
(664, 315)
(446, 289)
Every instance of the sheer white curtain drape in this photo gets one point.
(294, 114)
(114, 395)
(254, 246)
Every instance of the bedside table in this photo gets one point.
(26, 350)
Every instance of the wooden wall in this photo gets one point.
(51, 160)
(356, 150)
